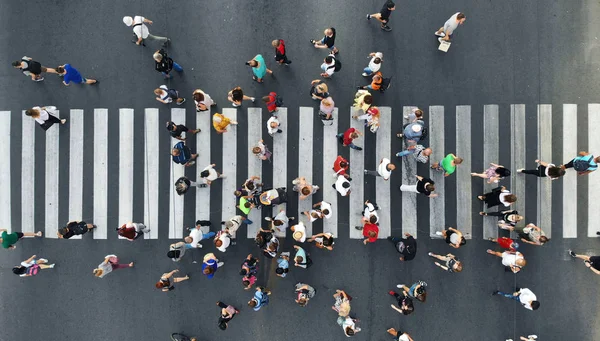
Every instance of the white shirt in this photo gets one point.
(43, 115)
(375, 67)
(527, 296)
(382, 169)
(403, 337)
(271, 130)
(164, 95)
(300, 228)
(212, 173)
(310, 213)
(451, 24)
(502, 196)
(370, 211)
(283, 218)
(328, 68)
(338, 185)
(510, 259)
(224, 237)
(141, 31)
(196, 235)
(326, 206)
(348, 323)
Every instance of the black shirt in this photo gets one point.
(385, 12)
(165, 65)
(330, 41)
(178, 130)
(595, 262)
(421, 186)
(407, 247)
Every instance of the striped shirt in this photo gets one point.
(418, 153)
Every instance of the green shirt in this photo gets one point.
(243, 208)
(8, 239)
(447, 164)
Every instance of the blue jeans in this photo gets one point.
(516, 298)
(177, 68)
(405, 153)
(351, 145)
(208, 235)
(367, 71)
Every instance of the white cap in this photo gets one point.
(128, 21)
(416, 128)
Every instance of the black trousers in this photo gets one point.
(540, 171)
(50, 121)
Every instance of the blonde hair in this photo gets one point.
(157, 56)
(326, 101)
(98, 272)
(275, 43)
(158, 91)
(322, 87)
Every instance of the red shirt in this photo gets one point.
(347, 138)
(281, 48)
(271, 106)
(337, 168)
(505, 243)
(127, 232)
(368, 228)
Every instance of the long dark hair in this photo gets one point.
(19, 270)
(503, 172)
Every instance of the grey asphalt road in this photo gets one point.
(507, 52)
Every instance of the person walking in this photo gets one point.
(249, 266)
(110, 263)
(323, 241)
(342, 303)
(348, 325)
(318, 90)
(236, 96)
(221, 122)
(330, 66)
(209, 174)
(592, 262)
(420, 153)
(327, 42)
(177, 129)
(407, 247)
(222, 240)
(533, 235)
(32, 68)
(9, 239)
(299, 232)
(523, 295)
(131, 231)
(272, 100)
(584, 163)
(304, 293)
(384, 169)
(141, 32)
(210, 264)
(248, 281)
(261, 151)
(280, 222)
(369, 231)
(259, 68)
(347, 138)
(452, 263)
(384, 15)
(341, 166)
(528, 338)
(165, 285)
(376, 82)
(165, 64)
(413, 133)
(453, 237)
(369, 213)
(507, 220)
(202, 100)
(166, 95)
(283, 264)
(498, 195)
(183, 184)
(176, 251)
(228, 312)
(304, 187)
(324, 208)
(374, 64)
(370, 118)
(31, 266)
(418, 290)
(70, 74)
(513, 260)
(260, 299)
(494, 173)
(447, 164)
(74, 228)
(182, 154)
(399, 335)
(505, 243)
(301, 259)
(415, 115)
(197, 234)
(342, 185)
(280, 52)
(233, 224)
(326, 108)
(423, 185)
(362, 100)
(445, 32)
(45, 116)
(274, 126)
(405, 304)
(545, 169)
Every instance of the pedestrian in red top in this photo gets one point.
(132, 231)
(505, 243)
(340, 166)
(271, 101)
(280, 56)
(370, 232)
(348, 137)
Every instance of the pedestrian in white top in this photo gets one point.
(222, 240)
(203, 100)
(374, 64)
(384, 169)
(299, 234)
(141, 30)
(399, 335)
(313, 215)
(31, 266)
(342, 185)
(209, 174)
(370, 213)
(280, 222)
(329, 66)
(197, 234)
(513, 260)
(45, 116)
(233, 224)
(348, 324)
(273, 126)
(324, 208)
(445, 32)
(524, 296)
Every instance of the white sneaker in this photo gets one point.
(364, 74)
(220, 264)
(235, 105)
(430, 254)
(43, 260)
(442, 34)
(440, 40)
(51, 266)
(438, 233)
(198, 246)
(400, 286)
(253, 99)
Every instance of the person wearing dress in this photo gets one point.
(220, 123)
(259, 68)
(261, 151)
(45, 116)
(494, 173)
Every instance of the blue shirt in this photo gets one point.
(261, 300)
(210, 263)
(72, 75)
(301, 253)
(184, 154)
(284, 264)
(409, 134)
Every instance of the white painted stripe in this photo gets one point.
(464, 193)
(100, 173)
(491, 147)
(409, 199)
(51, 177)
(230, 164)
(569, 180)
(151, 158)
(330, 153)
(517, 182)
(75, 167)
(255, 125)
(279, 161)
(593, 179)
(125, 166)
(383, 193)
(305, 162)
(5, 173)
(177, 171)
(28, 202)
(437, 206)
(357, 166)
(544, 198)
(203, 122)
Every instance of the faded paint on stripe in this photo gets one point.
(544, 198)
(569, 180)
(151, 162)
(28, 201)
(357, 166)
(125, 166)
(230, 164)
(464, 192)
(491, 151)
(5, 171)
(280, 159)
(330, 153)
(76, 167)
(51, 177)
(437, 206)
(100, 172)
(594, 179)
(517, 187)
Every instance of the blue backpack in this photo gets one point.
(584, 163)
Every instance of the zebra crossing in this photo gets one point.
(393, 220)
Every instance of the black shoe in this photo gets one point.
(572, 254)
(368, 17)
(222, 223)
(390, 238)
(349, 178)
(517, 289)
(495, 292)
(288, 62)
(358, 148)
(358, 87)
(386, 28)
(358, 227)
(312, 41)
(279, 131)
(598, 233)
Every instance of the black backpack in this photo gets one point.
(337, 66)
(278, 101)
